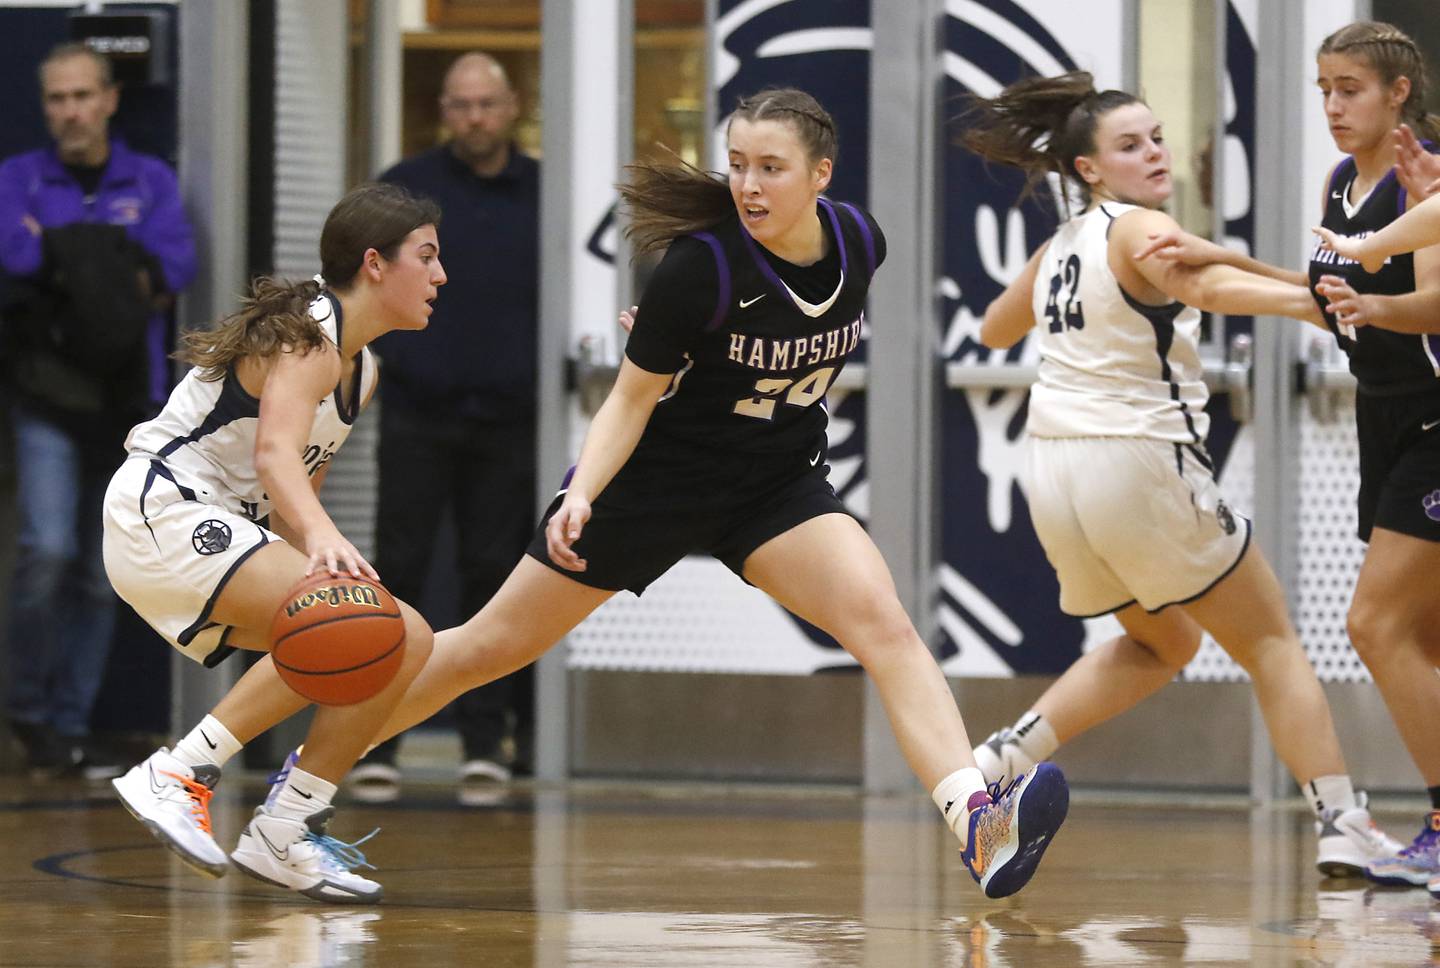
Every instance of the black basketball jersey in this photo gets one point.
(1383, 361)
(752, 358)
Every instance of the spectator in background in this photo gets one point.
(93, 244)
(457, 419)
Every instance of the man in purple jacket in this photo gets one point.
(93, 245)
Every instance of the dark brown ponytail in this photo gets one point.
(276, 314)
(1040, 125)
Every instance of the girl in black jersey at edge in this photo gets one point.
(711, 442)
(1372, 78)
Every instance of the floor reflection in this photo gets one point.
(639, 876)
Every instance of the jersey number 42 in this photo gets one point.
(1066, 282)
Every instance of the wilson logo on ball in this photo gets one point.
(334, 596)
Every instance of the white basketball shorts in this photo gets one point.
(169, 554)
(1130, 519)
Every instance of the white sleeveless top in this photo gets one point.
(1110, 366)
(205, 435)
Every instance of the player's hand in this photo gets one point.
(1348, 307)
(1347, 247)
(1183, 248)
(627, 318)
(328, 550)
(563, 530)
(1417, 170)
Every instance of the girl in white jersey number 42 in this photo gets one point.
(1120, 487)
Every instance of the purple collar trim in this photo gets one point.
(768, 271)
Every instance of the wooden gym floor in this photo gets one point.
(666, 875)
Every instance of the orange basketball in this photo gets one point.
(337, 641)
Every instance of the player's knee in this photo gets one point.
(1175, 652)
(1373, 629)
(419, 642)
(877, 628)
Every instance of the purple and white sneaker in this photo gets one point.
(1009, 834)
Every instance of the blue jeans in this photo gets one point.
(62, 609)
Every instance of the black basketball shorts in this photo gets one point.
(1399, 440)
(665, 504)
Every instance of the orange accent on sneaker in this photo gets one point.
(1434, 820)
(200, 796)
(977, 863)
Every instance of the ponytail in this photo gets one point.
(275, 316)
(666, 201)
(1040, 125)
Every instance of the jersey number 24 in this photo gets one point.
(1065, 283)
(797, 393)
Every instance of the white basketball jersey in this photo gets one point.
(1110, 366)
(205, 435)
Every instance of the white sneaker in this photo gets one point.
(1001, 759)
(374, 782)
(482, 783)
(173, 800)
(1349, 840)
(299, 855)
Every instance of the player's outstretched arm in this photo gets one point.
(608, 445)
(1012, 314)
(1411, 312)
(1185, 248)
(1215, 287)
(1416, 229)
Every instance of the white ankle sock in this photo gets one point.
(303, 794)
(1330, 793)
(210, 742)
(953, 794)
(1035, 737)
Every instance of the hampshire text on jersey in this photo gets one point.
(763, 353)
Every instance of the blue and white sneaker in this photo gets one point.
(1416, 865)
(299, 855)
(278, 778)
(1008, 835)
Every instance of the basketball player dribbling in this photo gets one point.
(213, 517)
(713, 442)
(1120, 487)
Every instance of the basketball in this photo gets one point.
(337, 641)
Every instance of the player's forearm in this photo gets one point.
(609, 443)
(1227, 289)
(1416, 229)
(284, 479)
(1413, 312)
(1250, 264)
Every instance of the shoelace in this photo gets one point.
(1428, 842)
(342, 855)
(996, 794)
(199, 795)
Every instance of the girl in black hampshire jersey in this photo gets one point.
(713, 442)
